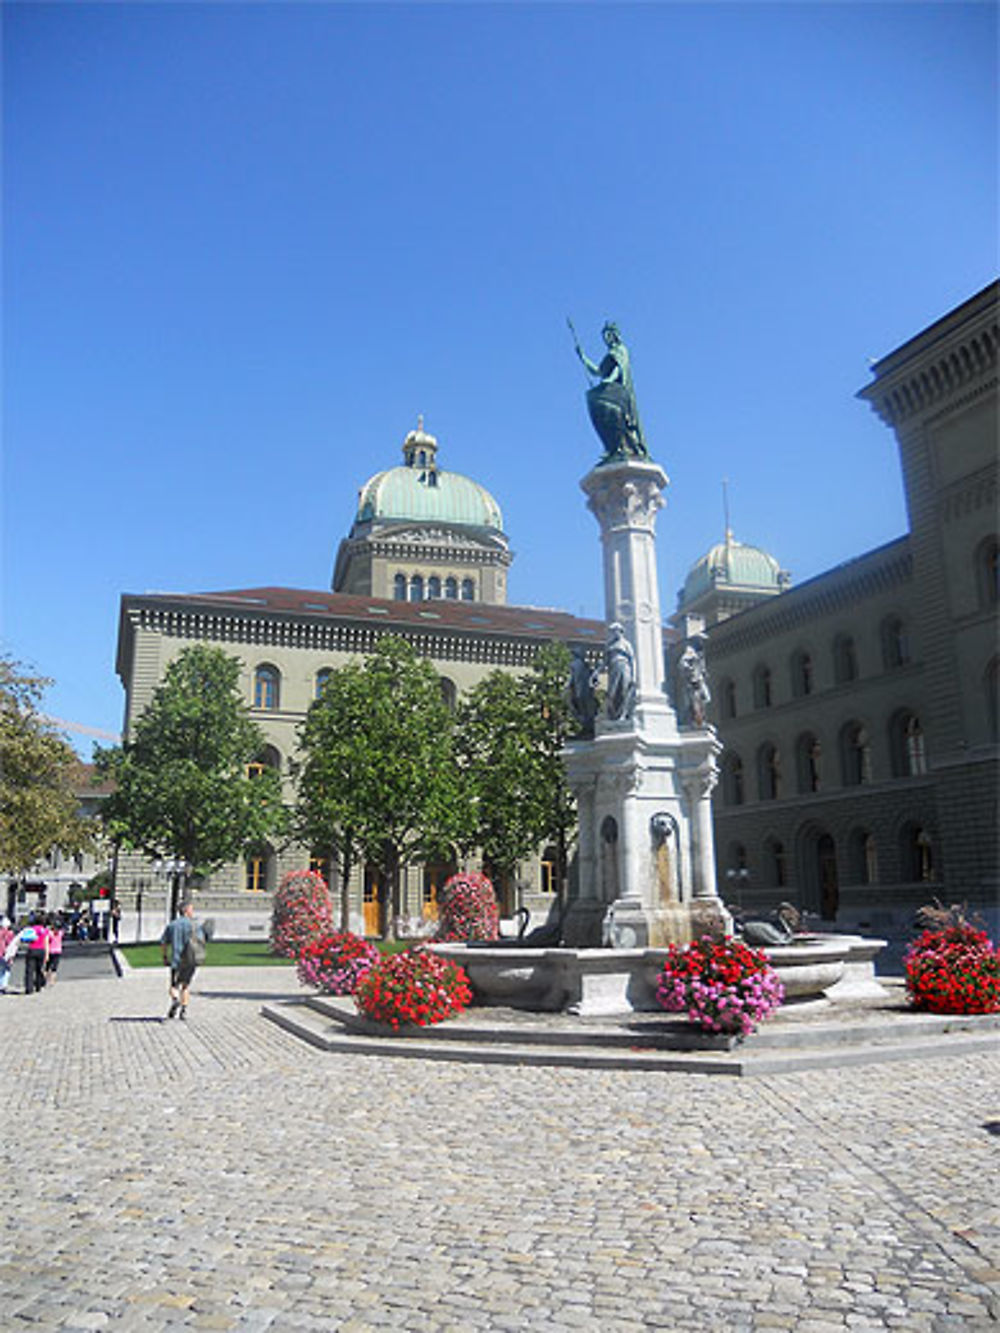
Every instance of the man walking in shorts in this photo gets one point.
(178, 943)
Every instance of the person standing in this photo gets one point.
(8, 952)
(37, 938)
(183, 946)
(56, 933)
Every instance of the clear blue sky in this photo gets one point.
(245, 245)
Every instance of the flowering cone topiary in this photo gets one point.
(302, 911)
(722, 985)
(335, 963)
(954, 970)
(468, 909)
(413, 988)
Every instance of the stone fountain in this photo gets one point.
(642, 772)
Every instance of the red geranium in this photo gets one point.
(415, 988)
(955, 970)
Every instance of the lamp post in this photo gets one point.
(739, 878)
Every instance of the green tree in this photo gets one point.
(183, 789)
(39, 810)
(325, 818)
(495, 746)
(511, 733)
(553, 724)
(377, 777)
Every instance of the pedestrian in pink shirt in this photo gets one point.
(36, 936)
(55, 950)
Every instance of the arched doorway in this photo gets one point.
(373, 906)
(817, 859)
(829, 887)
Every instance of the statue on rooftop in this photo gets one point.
(611, 401)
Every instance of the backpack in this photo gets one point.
(195, 948)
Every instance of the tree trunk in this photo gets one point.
(391, 890)
(346, 859)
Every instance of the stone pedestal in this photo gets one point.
(643, 784)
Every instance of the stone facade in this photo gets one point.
(859, 709)
(285, 639)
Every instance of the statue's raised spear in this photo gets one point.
(576, 344)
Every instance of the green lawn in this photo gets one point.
(229, 953)
(221, 953)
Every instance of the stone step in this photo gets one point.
(820, 1024)
(586, 1046)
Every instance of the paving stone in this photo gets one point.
(228, 1177)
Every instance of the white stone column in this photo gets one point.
(625, 498)
(698, 787)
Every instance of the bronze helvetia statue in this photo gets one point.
(611, 401)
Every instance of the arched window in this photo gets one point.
(845, 659)
(802, 673)
(906, 743)
(991, 685)
(258, 870)
(433, 588)
(988, 572)
(769, 772)
(268, 758)
(727, 698)
(451, 589)
(732, 780)
(775, 864)
(448, 692)
(416, 587)
(864, 857)
(468, 590)
(399, 588)
(895, 643)
(856, 755)
(916, 855)
(807, 757)
(322, 676)
(762, 692)
(267, 687)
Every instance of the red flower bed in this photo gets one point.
(335, 963)
(955, 970)
(414, 987)
(302, 911)
(468, 909)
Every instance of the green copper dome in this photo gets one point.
(732, 565)
(420, 490)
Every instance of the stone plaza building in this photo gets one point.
(426, 559)
(859, 710)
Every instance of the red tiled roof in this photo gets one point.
(476, 617)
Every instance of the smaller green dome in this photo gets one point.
(421, 491)
(731, 564)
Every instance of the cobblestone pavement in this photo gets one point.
(220, 1175)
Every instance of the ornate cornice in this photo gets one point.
(947, 374)
(248, 630)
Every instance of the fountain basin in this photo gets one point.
(616, 981)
